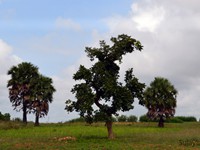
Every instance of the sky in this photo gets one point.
(53, 34)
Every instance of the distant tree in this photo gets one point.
(43, 95)
(144, 118)
(160, 100)
(187, 118)
(132, 118)
(5, 117)
(22, 81)
(122, 118)
(100, 85)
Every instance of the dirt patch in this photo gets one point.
(66, 138)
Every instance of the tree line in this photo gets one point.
(143, 118)
(99, 93)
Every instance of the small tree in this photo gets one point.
(160, 100)
(5, 117)
(144, 118)
(122, 118)
(100, 86)
(43, 95)
(132, 118)
(22, 81)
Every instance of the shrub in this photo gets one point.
(122, 118)
(114, 119)
(144, 118)
(81, 119)
(5, 117)
(187, 118)
(17, 119)
(174, 120)
(132, 118)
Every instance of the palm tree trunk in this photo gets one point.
(37, 119)
(161, 122)
(24, 112)
(110, 131)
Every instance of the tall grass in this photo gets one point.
(83, 136)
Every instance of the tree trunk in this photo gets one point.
(161, 122)
(37, 119)
(24, 113)
(109, 128)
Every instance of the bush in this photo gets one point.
(81, 119)
(187, 118)
(17, 119)
(114, 119)
(122, 118)
(144, 118)
(132, 118)
(174, 120)
(5, 117)
(177, 119)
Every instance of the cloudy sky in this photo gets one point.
(53, 34)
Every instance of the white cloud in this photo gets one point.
(170, 36)
(148, 18)
(6, 61)
(64, 23)
(6, 57)
(5, 49)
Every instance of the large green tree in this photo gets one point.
(160, 100)
(22, 80)
(30, 91)
(99, 94)
(43, 95)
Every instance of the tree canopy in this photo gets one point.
(22, 81)
(43, 95)
(99, 94)
(160, 99)
(26, 87)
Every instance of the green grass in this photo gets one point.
(80, 136)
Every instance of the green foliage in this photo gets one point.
(160, 100)
(122, 118)
(29, 90)
(80, 119)
(5, 117)
(187, 118)
(132, 118)
(23, 78)
(99, 84)
(17, 119)
(174, 120)
(144, 118)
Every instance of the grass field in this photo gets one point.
(80, 136)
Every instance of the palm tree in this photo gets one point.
(20, 85)
(42, 97)
(160, 100)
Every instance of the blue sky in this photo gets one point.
(53, 35)
(26, 23)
